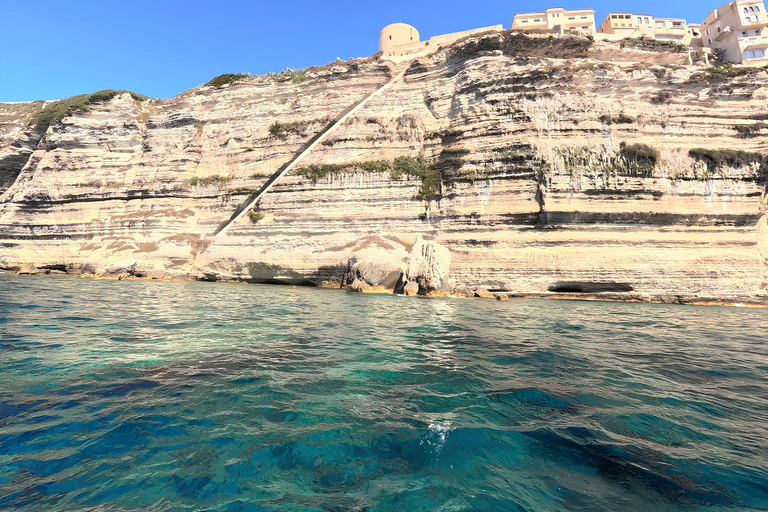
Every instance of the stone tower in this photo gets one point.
(397, 34)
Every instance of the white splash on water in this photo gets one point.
(436, 436)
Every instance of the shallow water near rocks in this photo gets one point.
(136, 395)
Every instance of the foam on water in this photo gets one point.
(202, 396)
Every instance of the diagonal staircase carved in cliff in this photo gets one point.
(251, 201)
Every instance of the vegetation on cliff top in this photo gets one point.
(58, 110)
(518, 44)
(652, 44)
(226, 79)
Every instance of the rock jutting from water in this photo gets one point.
(533, 161)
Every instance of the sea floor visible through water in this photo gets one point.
(164, 396)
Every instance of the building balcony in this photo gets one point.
(670, 31)
(754, 24)
(726, 31)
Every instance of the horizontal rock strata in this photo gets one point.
(529, 173)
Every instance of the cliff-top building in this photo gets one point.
(400, 40)
(646, 26)
(557, 19)
(738, 31)
(397, 34)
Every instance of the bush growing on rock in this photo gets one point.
(641, 154)
(620, 119)
(255, 216)
(652, 44)
(716, 159)
(226, 79)
(661, 97)
(519, 44)
(431, 178)
(750, 130)
(58, 110)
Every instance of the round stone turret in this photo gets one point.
(397, 34)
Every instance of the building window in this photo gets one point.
(757, 32)
(613, 16)
(647, 22)
(707, 31)
(639, 20)
(571, 18)
(709, 42)
(746, 10)
(754, 54)
(744, 33)
(660, 24)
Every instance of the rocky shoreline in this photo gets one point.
(480, 293)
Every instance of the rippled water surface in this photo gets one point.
(198, 396)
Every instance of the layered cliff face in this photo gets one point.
(541, 164)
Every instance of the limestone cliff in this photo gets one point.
(540, 163)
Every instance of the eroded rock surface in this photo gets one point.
(526, 177)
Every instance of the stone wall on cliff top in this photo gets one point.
(526, 144)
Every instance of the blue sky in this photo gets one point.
(54, 49)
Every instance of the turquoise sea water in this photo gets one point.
(199, 396)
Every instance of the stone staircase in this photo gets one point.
(305, 149)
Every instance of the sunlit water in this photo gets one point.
(199, 396)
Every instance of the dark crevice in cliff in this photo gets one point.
(12, 164)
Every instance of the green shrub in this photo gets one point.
(215, 180)
(198, 127)
(431, 178)
(652, 44)
(377, 166)
(519, 44)
(319, 171)
(661, 97)
(281, 130)
(194, 180)
(58, 110)
(255, 216)
(226, 79)
(718, 158)
(727, 70)
(747, 130)
(641, 154)
(445, 134)
(620, 119)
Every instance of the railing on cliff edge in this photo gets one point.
(306, 148)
